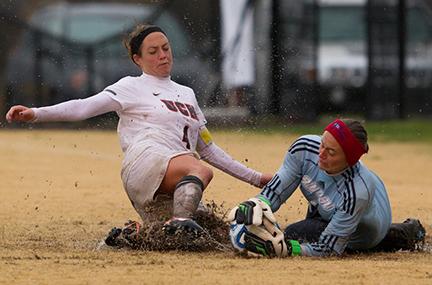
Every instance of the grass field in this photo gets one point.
(414, 130)
(61, 193)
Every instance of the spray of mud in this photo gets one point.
(151, 237)
(215, 237)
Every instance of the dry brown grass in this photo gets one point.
(61, 193)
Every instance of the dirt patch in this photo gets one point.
(152, 237)
(61, 194)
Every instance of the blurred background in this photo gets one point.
(295, 60)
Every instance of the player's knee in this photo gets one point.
(206, 174)
(210, 173)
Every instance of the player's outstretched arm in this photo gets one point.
(218, 158)
(68, 111)
(20, 113)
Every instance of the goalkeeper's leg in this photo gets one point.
(408, 235)
(307, 230)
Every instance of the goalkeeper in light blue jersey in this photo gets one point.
(348, 205)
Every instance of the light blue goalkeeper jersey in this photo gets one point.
(354, 202)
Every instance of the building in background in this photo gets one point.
(294, 59)
(238, 56)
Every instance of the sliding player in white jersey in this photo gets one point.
(161, 128)
(348, 203)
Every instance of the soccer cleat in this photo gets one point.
(126, 236)
(417, 231)
(176, 225)
(113, 237)
(131, 231)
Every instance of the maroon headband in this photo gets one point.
(352, 148)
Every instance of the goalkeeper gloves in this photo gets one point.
(251, 212)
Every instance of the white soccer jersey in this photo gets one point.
(159, 109)
(159, 119)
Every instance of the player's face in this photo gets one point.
(331, 156)
(156, 56)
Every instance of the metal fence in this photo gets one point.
(371, 58)
(68, 51)
(400, 60)
(294, 69)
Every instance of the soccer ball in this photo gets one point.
(237, 233)
(263, 240)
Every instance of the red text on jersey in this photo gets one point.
(185, 109)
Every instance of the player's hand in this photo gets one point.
(20, 113)
(265, 239)
(251, 212)
(265, 178)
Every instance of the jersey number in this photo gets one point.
(185, 137)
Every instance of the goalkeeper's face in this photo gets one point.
(155, 56)
(331, 155)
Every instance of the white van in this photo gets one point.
(342, 52)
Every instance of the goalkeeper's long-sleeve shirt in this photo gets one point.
(354, 202)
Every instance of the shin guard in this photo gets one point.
(187, 195)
